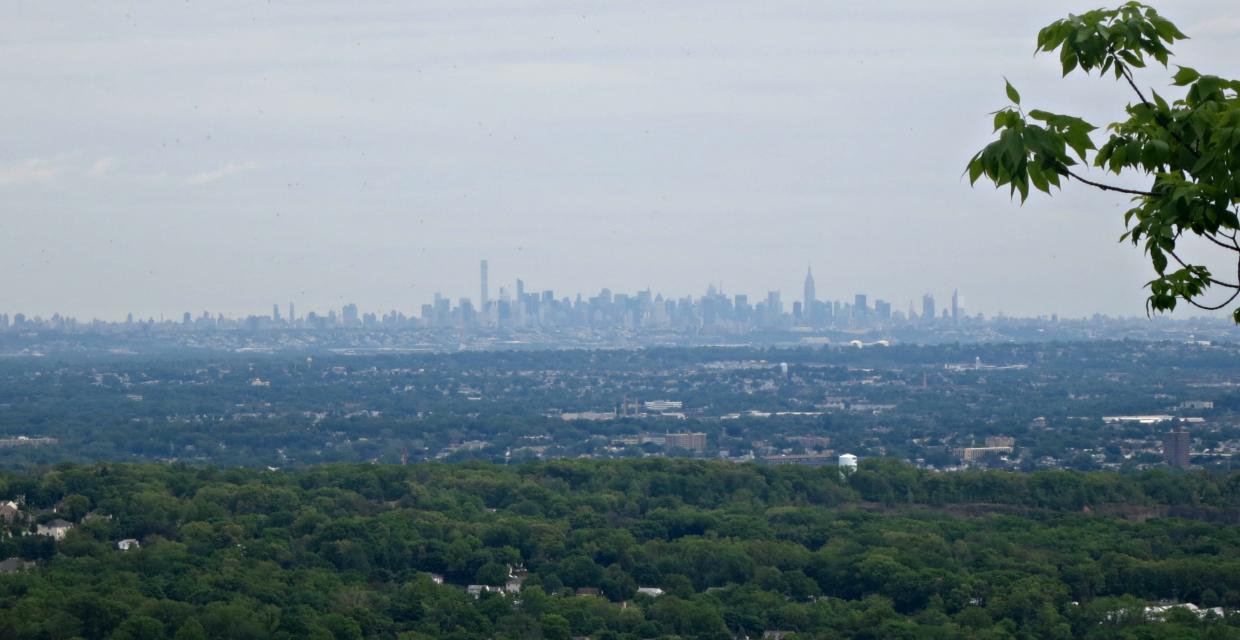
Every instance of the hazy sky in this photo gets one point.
(162, 157)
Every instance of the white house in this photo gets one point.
(127, 544)
(476, 590)
(56, 529)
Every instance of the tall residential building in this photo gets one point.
(292, 314)
(486, 295)
(811, 296)
(275, 312)
(927, 307)
(955, 305)
(1176, 448)
(348, 315)
(860, 305)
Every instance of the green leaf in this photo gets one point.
(1185, 76)
(1038, 178)
(975, 170)
(1068, 58)
(1159, 260)
(1011, 92)
(1132, 58)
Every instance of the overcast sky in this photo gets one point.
(162, 157)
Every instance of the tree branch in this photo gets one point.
(1229, 247)
(1105, 187)
(1212, 280)
(1220, 305)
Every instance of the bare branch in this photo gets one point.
(1230, 247)
(1105, 187)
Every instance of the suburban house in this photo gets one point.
(56, 528)
(476, 590)
(127, 544)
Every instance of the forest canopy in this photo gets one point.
(720, 550)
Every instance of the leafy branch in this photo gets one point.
(1189, 148)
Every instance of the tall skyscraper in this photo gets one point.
(275, 312)
(955, 305)
(292, 316)
(927, 307)
(811, 295)
(485, 288)
(1176, 448)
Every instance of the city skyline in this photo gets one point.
(488, 311)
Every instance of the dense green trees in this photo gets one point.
(347, 551)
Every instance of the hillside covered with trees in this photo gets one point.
(560, 549)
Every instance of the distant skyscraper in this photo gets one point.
(927, 307)
(810, 293)
(485, 288)
(773, 305)
(292, 316)
(1176, 448)
(955, 305)
(860, 304)
(275, 312)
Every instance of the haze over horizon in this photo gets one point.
(168, 158)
